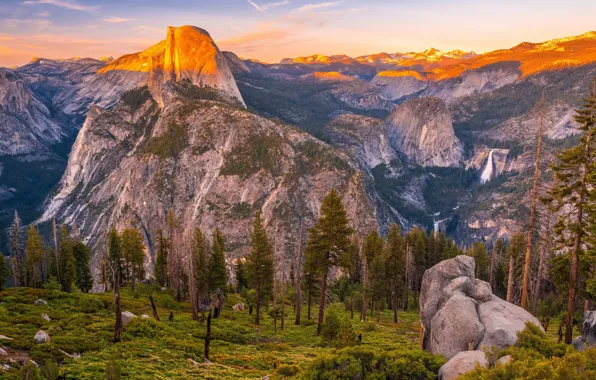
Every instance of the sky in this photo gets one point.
(269, 30)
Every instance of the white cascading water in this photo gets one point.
(487, 173)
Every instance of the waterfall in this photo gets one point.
(487, 173)
(436, 226)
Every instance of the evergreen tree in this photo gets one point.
(217, 275)
(16, 246)
(515, 251)
(82, 254)
(4, 272)
(372, 247)
(478, 252)
(356, 261)
(133, 250)
(160, 269)
(240, 273)
(496, 258)
(34, 255)
(201, 261)
(416, 239)
(115, 255)
(569, 197)
(259, 265)
(329, 243)
(68, 264)
(310, 281)
(395, 266)
(346, 336)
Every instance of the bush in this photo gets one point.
(370, 326)
(287, 370)
(360, 363)
(331, 326)
(347, 336)
(532, 338)
(52, 285)
(91, 304)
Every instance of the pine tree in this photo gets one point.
(116, 258)
(311, 281)
(417, 240)
(495, 260)
(478, 252)
(372, 247)
(82, 254)
(4, 272)
(240, 273)
(218, 276)
(329, 243)
(161, 260)
(259, 265)
(201, 261)
(515, 251)
(16, 246)
(133, 250)
(34, 254)
(395, 265)
(569, 198)
(68, 264)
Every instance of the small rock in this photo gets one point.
(40, 302)
(41, 337)
(238, 307)
(266, 377)
(5, 337)
(46, 317)
(207, 361)
(504, 360)
(145, 316)
(127, 316)
(3, 352)
(461, 363)
(191, 361)
(6, 367)
(163, 289)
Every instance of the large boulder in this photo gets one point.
(460, 313)
(456, 327)
(435, 280)
(41, 337)
(127, 316)
(588, 337)
(461, 363)
(238, 307)
(503, 320)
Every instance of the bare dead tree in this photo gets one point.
(534, 200)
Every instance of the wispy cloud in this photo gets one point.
(257, 7)
(248, 39)
(43, 14)
(117, 19)
(313, 7)
(64, 4)
(265, 7)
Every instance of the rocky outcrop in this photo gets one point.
(210, 161)
(460, 313)
(27, 126)
(461, 363)
(397, 84)
(127, 316)
(588, 337)
(423, 130)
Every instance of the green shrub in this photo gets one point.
(533, 338)
(112, 371)
(331, 326)
(90, 304)
(287, 370)
(370, 326)
(347, 336)
(144, 328)
(52, 285)
(50, 370)
(361, 363)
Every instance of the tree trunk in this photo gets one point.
(297, 279)
(545, 249)
(364, 284)
(258, 305)
(208, 336)
(283, 295)
(133, 279)
(274, 305)
(407, 295)
(378, 312)
(118, 310)
(309, 305)
(576, 248)
(395, 301)
(352, 307)
(56, 253)
(492, 269)
(322, 302)
(510, 280)
(530, 236)
(155, 315)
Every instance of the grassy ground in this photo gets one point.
(83, 323)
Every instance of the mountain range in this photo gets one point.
(441, 140)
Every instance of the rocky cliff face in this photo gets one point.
(27, 126)
(210, 161)
(397, 84)
(422, 129)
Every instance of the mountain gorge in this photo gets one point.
(213, 137)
